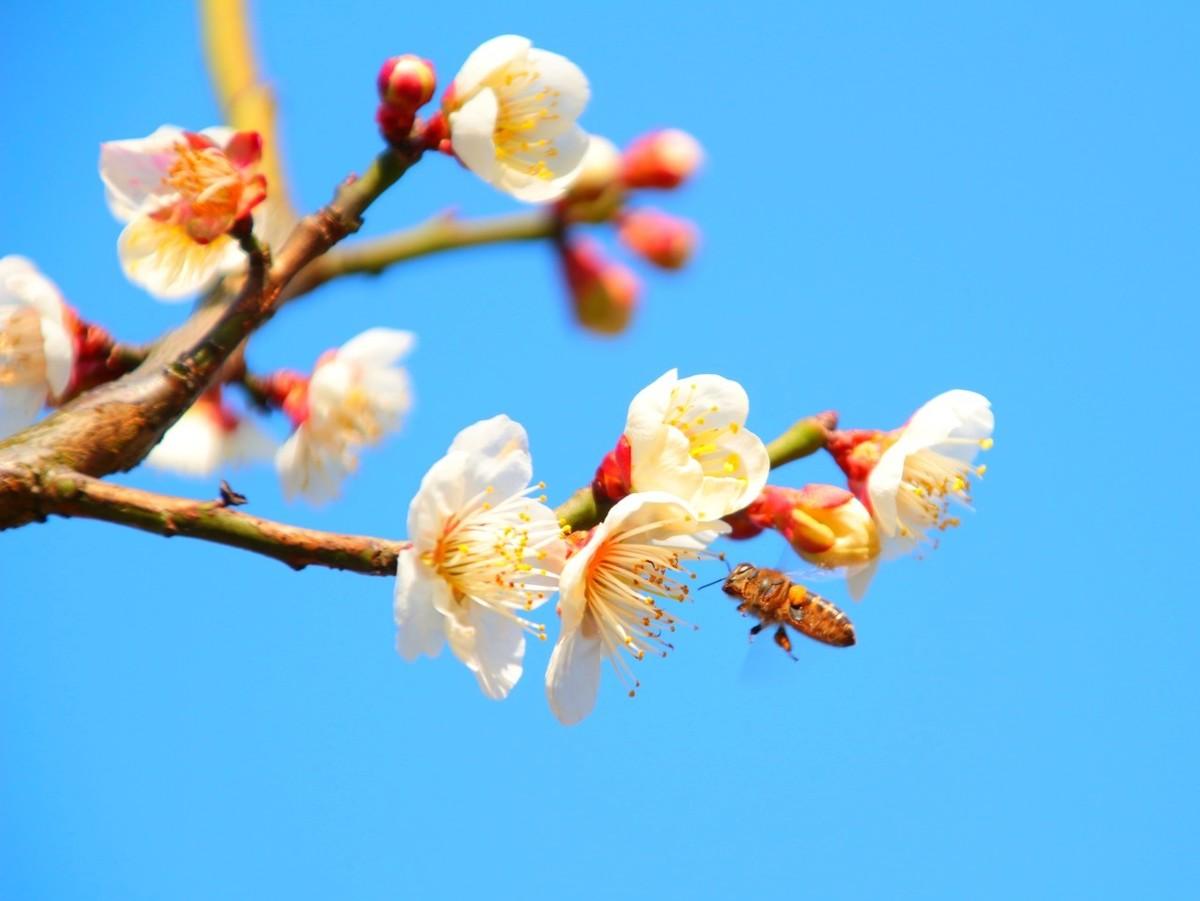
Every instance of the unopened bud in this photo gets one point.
(661, 159)
(604, 293)
(663, 240)
(614, 475)
(407, 82)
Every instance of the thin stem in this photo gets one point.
(70, 494)
(440, 233)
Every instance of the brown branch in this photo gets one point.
(440, 233)
(111, 428)
(64, 493)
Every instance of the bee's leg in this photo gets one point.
(743, 609)
(781, 639)
(755, 629)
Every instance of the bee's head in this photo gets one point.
(741, 576)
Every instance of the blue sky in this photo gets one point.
(899, 199)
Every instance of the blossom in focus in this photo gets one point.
(909, 477)
(659, 238)
(483, 554)
(37, 343)
(209, 436)
(355, 396)
(604, 294)
(180, 193)
(610, 594)
(661, 159)
(688, 437)
(512, 112)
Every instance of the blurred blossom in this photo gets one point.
(180, 193)
(661, 159)
(356, 395)
(37, 343)
(209, 436)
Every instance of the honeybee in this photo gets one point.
(774, 599)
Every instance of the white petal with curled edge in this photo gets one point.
(557, 73)
(882, 485)
(485, 59)
(953, 423)
(247, 444)
(500, 460)
(19, 406)
(438, 498)
(858, 578)
(573, 677)
(133, 171)
(419, 624)
(378, 346)
(648, 409)
(490, 644)
(472, 135)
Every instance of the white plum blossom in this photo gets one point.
(180, 193)
(37, 348)
(208, 437)
(609, 595)
(483, 553)
(688, 437)
(511, 112)
(927, 464)
(356, 395)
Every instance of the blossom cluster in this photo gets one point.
(685, 471)
(486, 551)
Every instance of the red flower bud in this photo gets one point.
(614, 474)
(658, 238)
(604, 294)
(407, 82)
(661, 159)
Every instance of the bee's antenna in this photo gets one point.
(710, 584)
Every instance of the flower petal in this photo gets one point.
(419, 624)
(953, 423)
(472, 135)
(133, 171)
(163, 260)
(490, 644)
(573, 677)
(486, 59)
(570, 86)
(564, 164)
(19, 406)
(378, 346)
(311, 469)
(882, 485)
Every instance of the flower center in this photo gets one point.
(521, 111)
(490, 554)
(210, 191)
(626, 579)
(931, 481)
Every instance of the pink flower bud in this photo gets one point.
(614, 474)
(407, 82)
(604, 293)
(661, 159)
(658, 238)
